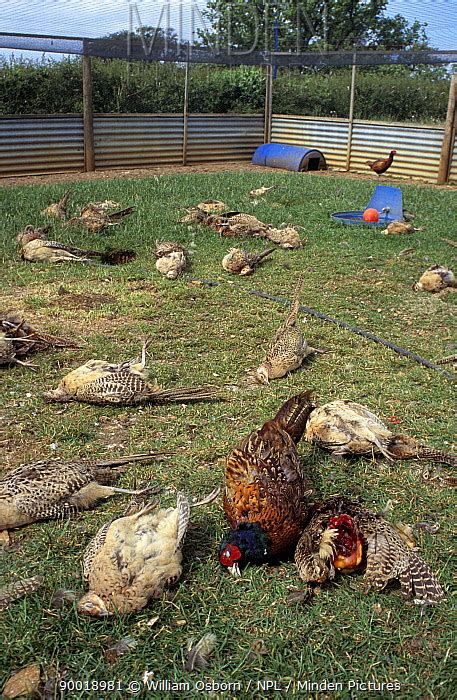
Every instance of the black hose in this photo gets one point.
(340, 324)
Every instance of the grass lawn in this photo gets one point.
(206, 335)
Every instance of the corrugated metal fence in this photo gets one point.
(419, 147)
(51, 144)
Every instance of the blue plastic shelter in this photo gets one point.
(281, 155)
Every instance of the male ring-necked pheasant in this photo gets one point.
(135, 558)
(342, 535)
(54, 489)
(288, 348)
(345, 427)
(123, 384)
(266, 489)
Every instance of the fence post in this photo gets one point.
(185, 110)
(351, 112)
(268, 104)
(449, 134)
(88, 117)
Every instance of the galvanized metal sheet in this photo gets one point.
(453, 165)
(327, 135)
(418, 148)
(223, 137)
(137, 140)
(39, 145)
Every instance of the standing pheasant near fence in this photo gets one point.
(266, 489)
(342, 535)
(381, 165)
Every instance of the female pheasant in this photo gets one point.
(266, 490)
(435, 279)
(343, 535)
(288, 348)
(134, 558)
(55, 489)
(123, 384)
(345, 427)
(240, 262)
(18, 338)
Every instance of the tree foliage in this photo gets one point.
(303, 25)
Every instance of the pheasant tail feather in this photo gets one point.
(293, 415)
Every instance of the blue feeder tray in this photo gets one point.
(388, 198)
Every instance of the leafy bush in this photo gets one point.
(55, 87)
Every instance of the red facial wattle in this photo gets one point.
(230, 555)
(348, 542)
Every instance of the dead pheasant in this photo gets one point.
(342, 535)
(18, 589)
(135, 558)
(240, 262)
(95, 216)
(436, 279)
(123, 384)
(345, 427)
(18, 338)
(56, 489)
(266, 489)
(58, 210)
(261, 191)
(35, 247)
(171, 259)
(399, 227)
(289, 347)
(287, 237)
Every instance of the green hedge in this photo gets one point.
(55, 87)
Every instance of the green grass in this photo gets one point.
(202, 335)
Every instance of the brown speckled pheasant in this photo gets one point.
(135, 558)
(240, 262)
(54, 489)
(18, 589)
(18, 338)
(345, 427)
(171, 259)
(123, 384)
(35, 247)
(436, 279)
(266, 489)
(95, 216)
(289, 347)
(342, 535)
(58, 210)
(287, 237)
(396, 228)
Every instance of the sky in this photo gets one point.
(94, 18)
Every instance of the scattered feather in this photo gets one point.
(198, 652)
(62, 596)
(24, 682)
(431, 528)
(300, 596)
(119, 649)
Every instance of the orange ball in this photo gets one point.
(371, 215)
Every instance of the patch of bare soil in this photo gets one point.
(201, 168)
(71, 301)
